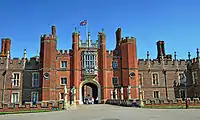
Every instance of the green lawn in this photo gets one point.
(171, 107)
(20, 112)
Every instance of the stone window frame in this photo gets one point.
(142, 77)
(158, 94)
(61, 80)
(62, 64)
(33, 79)
(14, 92)
(193, 77)
(60, 96)
(179, 79)
(32, 94)
(152, 78)
(89, 59)
(19, 80)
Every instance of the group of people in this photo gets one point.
(89, 100)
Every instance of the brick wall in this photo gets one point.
(175, 102)
(154, 103)
(28, 107)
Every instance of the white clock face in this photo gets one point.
(132, 74)
(46, 75)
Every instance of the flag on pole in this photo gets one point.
(83, 23)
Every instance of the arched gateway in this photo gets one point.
(96, 89)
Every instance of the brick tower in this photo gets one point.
(129, 67)
(102, 63)
(48, 54)
(76, 65)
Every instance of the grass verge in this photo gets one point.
(171, 107)
(28, 111)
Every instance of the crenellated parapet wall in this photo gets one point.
(47, 37)
(17, 63)
(168, 63)
(195, 60)
(174, 102)
(29, 107)
(128, 40)
(154, 102)
(64, 53)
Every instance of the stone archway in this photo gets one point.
(94, 82)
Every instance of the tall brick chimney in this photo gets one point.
(118, 36)
(53, 30)
(5, 46)
(160, 49)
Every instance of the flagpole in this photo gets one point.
(86, 27)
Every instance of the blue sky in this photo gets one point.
(177, 22)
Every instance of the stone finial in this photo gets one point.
(88, 35)
(24, 53)
(24, 61)
(75, 30)
(189, 55)
(148, 58)
(102, 30)
(79, 35)
(53, 30)
(175, 55)
(148, 55)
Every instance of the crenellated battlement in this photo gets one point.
(17, 63)
(48, 37)
(128, 39)
(181, 62)
(109, 52)
(63, 53)
(29, 106)
(195, 60)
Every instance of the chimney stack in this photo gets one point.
(53, 30)
(118, 36)
(160, 49)
(5, 46)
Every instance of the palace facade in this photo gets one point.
(89, 69)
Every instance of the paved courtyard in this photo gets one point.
(109, 112)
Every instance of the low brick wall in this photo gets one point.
(176, 102)
(28, 106)
(127, 103)
(155, 102)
